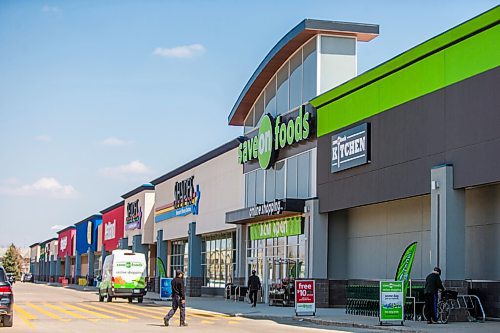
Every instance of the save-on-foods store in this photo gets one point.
(409, 151)
(280, 232)
(190, 230)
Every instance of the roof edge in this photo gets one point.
(65, 229)
(139, 189)
(114, 206)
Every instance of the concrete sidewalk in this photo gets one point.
(327, 317)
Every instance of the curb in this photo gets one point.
(326, 322)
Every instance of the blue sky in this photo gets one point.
(98, 97)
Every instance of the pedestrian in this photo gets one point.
(433, 284)
(178, 299)
(253, 287)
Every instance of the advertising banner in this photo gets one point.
(277, 228)
(166, 288)
(405, 265)
(391, 302)
(305, 297)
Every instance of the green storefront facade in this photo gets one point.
(429, 171)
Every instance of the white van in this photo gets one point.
(123, 276)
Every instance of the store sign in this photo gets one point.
(350, 148)
(277, 228)
(305, 297)
(89, 232)
(64, 243)
(391, 301)
(186, 201)
(274, 135)
(270, 208)
(43, 250)
(110, 230)
(134, 215)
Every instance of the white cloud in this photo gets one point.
(45, 186)
(124, 171)
(112, 141)
(50, 9)
(43, 138)
(58, 227)
(184, 51)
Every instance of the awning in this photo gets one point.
(270, 210)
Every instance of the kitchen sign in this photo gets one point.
(305, 297)
(290, 226)
(391, 302)
(350, 148)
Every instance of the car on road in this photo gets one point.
(6, 300)
(28, 277)
(11, 277)
(123, 276)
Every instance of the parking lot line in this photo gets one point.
(93, 313)
(115, 306)
(69, 313)
(25, 316)
(101, 309)
(47, 313)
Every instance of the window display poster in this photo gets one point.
(305, 297)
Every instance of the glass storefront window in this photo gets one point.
(271, 98)
(282, 90)
(250, 188)
(280, 179)
(219, 265)
(295, 80)
(270, 185)
(291, 177)
(303, 174)
(259, 110)
(259, 186)
(179, 257)
(309, 75)
(249, 122)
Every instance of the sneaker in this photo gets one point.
(165, 321)
(183, 324)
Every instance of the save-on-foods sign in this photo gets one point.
(351, 148)
(274, 134)
(289, 226)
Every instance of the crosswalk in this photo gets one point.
(33, 314)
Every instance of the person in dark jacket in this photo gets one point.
(253, 288)
(433, 284)
(178, 299)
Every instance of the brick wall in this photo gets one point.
(322, 293)
(193, 286)
(337, 293)
(489, 294)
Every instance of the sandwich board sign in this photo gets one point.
(305, 297)
(391, 302)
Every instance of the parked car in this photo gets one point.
(28, 277)
(6, 300)
(123, 276)
(11, 278)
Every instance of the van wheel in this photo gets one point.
(139, 300)
(8, 320)
(130, 300)
(101, 297)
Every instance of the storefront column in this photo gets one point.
(138, 247)
(58, 268)
(241, 255)
(161, 253)
(78, 266)
(316, 231)
(52, 267)
(447, 225)
(104, 254)
(67, 267)
(194, 277)
(91, 256)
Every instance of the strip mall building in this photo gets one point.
(335, 174)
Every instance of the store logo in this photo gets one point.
(350, 148)
(274, 135)
(134, 215)
(110, 230)
(64, 243)
(186, 201)
(89, 232)
(271, 208)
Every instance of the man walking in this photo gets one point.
(178, 299)
(253, 287)
(433, 283)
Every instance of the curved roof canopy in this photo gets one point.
(279, 54)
